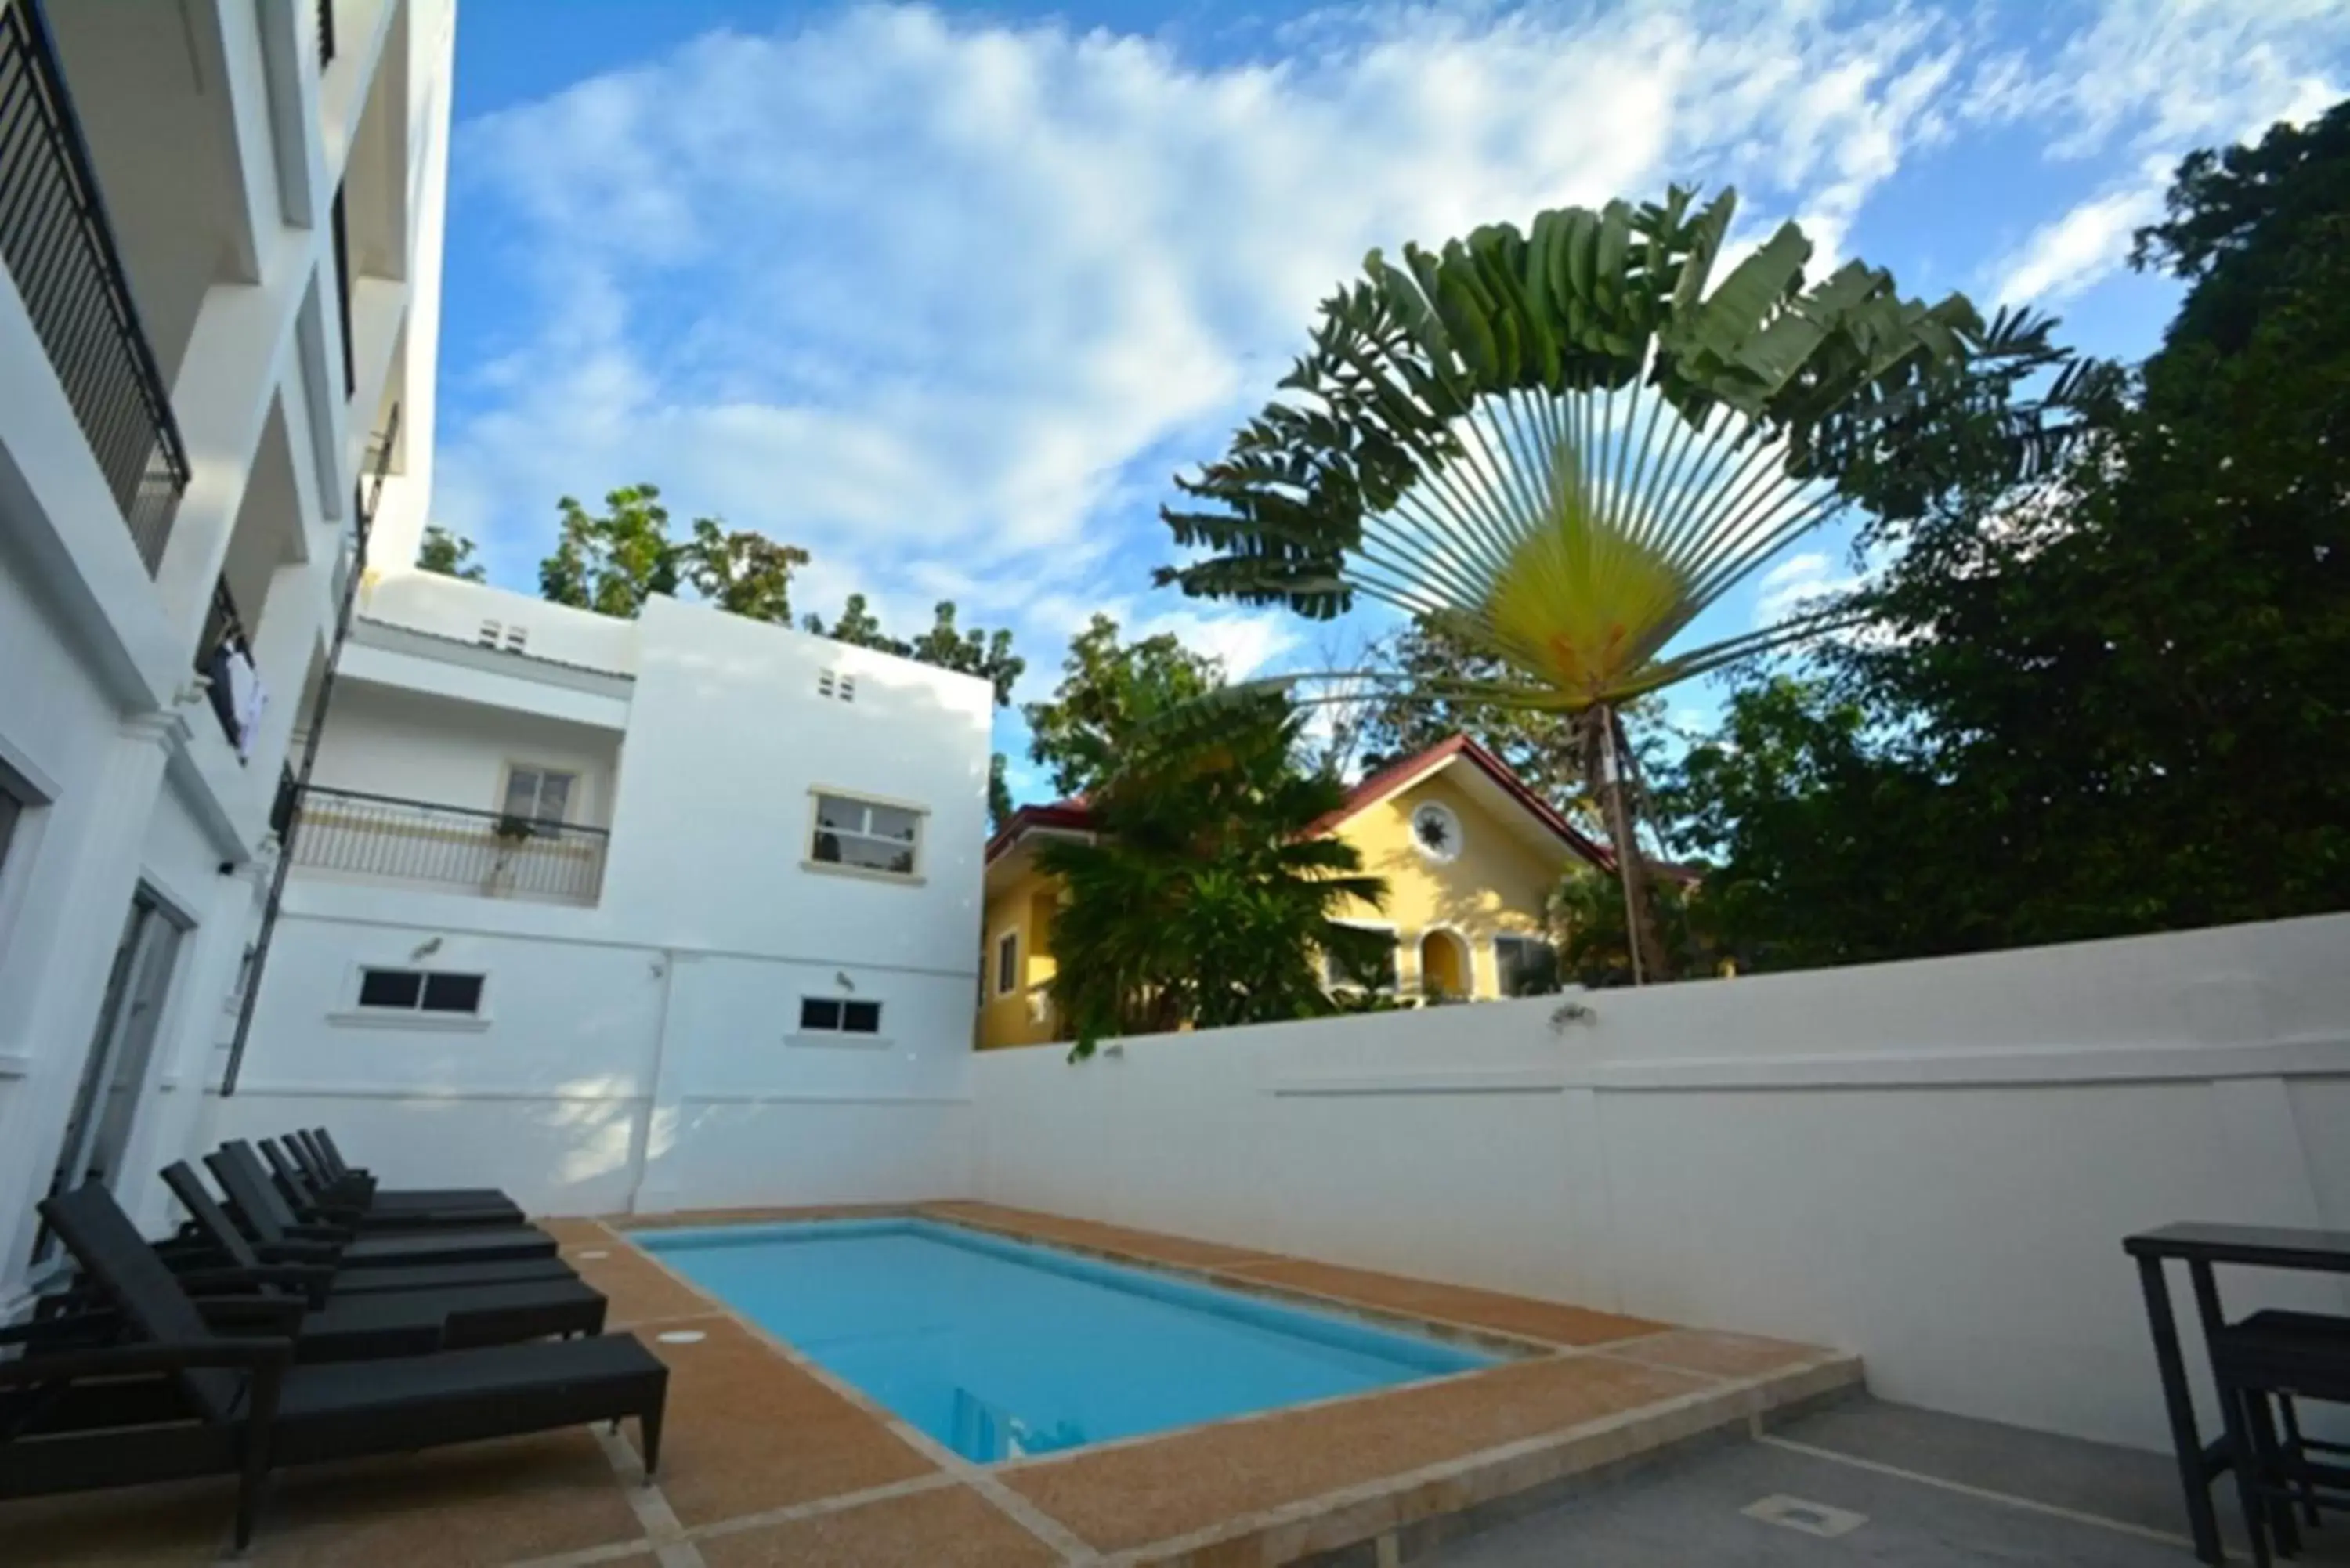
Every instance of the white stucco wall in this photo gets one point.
(1933, 1164)
(644, 1053)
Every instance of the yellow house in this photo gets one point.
(1469, 855)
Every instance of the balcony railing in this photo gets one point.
(343, 292)
(60, 251)
(225, 638)
(326, 32)
(447, 847)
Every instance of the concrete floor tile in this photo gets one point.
(1555, 1323)
(469, 1506)
(1722, 1354)
(639, 1290)
(747, 1431)
(182, 1523)
(953, 1527)
(1151, 1491)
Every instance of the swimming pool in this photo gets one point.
(998, 1348)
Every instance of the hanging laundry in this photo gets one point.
(246, 698)
(218, 689)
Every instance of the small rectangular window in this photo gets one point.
(539, 794)
(836, 1015)
(1335, 976)
(489, 637)
(453, 993)
(824, 683)
(517, 639)
(848, 689)
(420, 990)
(866, 834)
(390, 988)
(1007, 964)
(1525, 965)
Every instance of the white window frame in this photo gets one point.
(839, 1036)
(574, 798)
(1452, 818)
(352, 1014)
(1395, 960)
(922, 815)
(1008, 938)
(1500, 970)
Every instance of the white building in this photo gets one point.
(220, 225)
(676, 912)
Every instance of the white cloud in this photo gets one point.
(2063, 257)
(1797, 583)
(944, 299)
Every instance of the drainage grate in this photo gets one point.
(1811, 1517)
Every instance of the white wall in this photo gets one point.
(645, 1053)
(385, 740)
(1932, 1164)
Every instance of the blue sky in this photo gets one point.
(944, 294)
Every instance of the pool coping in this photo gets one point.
(1386, 1516)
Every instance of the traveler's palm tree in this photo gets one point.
(1202, 900)
(1559, 449)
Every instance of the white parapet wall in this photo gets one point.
(1931, 1163)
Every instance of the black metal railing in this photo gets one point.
(447, 846)
(326, 32)
(366, 497)
(60, 251)
(343, 293)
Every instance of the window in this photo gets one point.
(1337, 977)
(834, 1015)
(1436, 832)
(517, 639)
(490, 633)
(866, 834)
(420, 990)
(1525, 966)
(842, 687)
(1007, 964)
(538, 795)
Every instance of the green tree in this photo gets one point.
(1589, 937)
(1202, 901)
(611, 564)
(999, 794)
(2115, 697)
(1109, 691)
(741, 572)
(1558, 447)
(451, 555)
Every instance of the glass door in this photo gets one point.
(106, 1101)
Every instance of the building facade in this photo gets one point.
(629, 915)
(221, 224)
(1469, 855)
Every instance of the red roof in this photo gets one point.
(1076, 816)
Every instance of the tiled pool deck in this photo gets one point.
(768, 1460)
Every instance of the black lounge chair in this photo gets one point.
(339, 1183)
(306, 1197)
(263, 1211)
(91, 1419)
(217, 1245)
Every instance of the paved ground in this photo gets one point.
(768, 1460)
(1929, 1491)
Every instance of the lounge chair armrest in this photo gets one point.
(283, 1314)
(258, 1354)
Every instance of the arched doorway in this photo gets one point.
(1444, 965)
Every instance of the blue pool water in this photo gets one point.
(998, 1349)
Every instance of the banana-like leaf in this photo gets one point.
(1568, 445)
